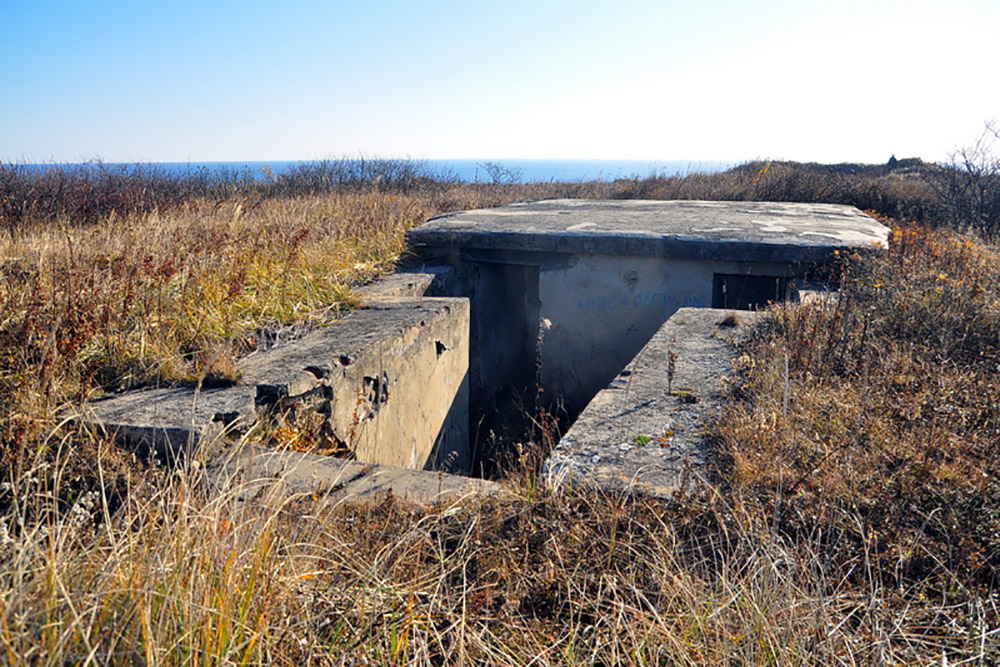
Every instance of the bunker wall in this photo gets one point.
(568, 322)
(385, 385)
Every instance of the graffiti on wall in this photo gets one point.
(661, 301)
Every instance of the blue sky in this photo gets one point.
(830, 81)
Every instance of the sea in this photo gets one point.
(467, 170)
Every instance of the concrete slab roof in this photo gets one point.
(755, 231)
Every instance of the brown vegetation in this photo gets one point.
(854, 518)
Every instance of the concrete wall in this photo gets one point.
(505, 324)
(391, 380)
(571, 321)
(404, 401)
(602, 309)
(389, 384)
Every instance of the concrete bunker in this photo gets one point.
(537, 307)
(564, 293)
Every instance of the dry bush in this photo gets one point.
(89, 193)
(900, 192)
(969, 187)
(889, 441)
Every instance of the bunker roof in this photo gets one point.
(749, 231)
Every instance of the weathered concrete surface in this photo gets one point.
(392, 378)
(565, 292)
(742, 231)
(169, 422)
(600, 310)
(252, 471)
(428, 281)
(389, 383)
(635, 434)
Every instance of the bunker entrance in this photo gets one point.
(743, 292)
(541, 348)
(536, 363)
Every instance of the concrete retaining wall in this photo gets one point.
(643, 432)
(387, 384)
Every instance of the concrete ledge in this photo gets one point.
(635, 435)
(388, 384)
(169, 422)
(428, 281)
(738, 231)
(255, 470)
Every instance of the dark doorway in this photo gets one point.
(741, 292)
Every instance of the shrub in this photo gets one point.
(890, 435)
(969, 187)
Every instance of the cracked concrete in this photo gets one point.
(387, 385)
(735, 231)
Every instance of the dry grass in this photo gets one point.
(887, 442)
(857, 525)
(179, 575)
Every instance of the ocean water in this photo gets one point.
(533, 171)
(472, 171)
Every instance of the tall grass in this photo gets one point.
(854, 522)
(888, 443)
(179, 575)
(88, 193)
